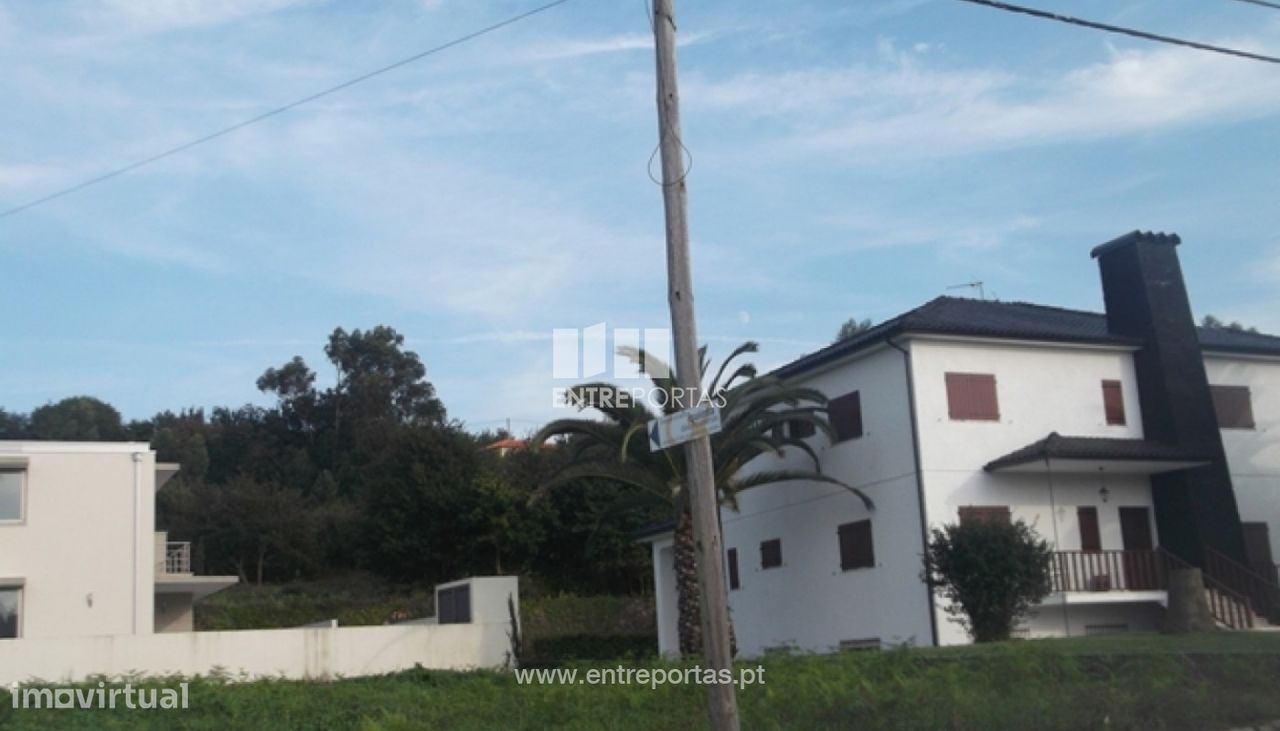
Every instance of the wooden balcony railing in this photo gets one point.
(1085, 571)
(1108, 571)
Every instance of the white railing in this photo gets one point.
(177, 557)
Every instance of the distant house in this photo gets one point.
(79, 552)
(1131, 440)
(505, 446)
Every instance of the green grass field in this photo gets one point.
(1126, 682)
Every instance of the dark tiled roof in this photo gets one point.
(653, 530)
(1056, 446)
(1014, 321)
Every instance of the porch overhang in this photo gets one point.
(1062, 454)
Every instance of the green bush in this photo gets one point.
(991, 571)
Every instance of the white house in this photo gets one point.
(79, 550)
(1132, 441)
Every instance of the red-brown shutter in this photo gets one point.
(857, 550)
(979, 513)
(1113, 402)
(1233, 406)
(972, 397)
(771, 553)
(845, 413)
(1090, 537)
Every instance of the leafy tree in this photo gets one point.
(78, 418)
(14, 425)
(753, 414)
(852, 327)
(991, 571)
(1214, 323)
(377, 378)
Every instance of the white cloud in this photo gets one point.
(154, 16)
(907, 109)
(574, 48)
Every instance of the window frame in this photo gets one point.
(1113, 409)
(847, 532)
(955, 380)
(17, 627)
(1215, 392)
(765, 546)
(854, 397)
(22, 497)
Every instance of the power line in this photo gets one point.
(279, 110)
(1263, 3)
(1125, 31)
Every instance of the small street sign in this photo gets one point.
(683, 426)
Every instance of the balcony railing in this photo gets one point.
(1100, 571)
(177, 557)
(1108, 571)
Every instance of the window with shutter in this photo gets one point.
(972, 397)
(771, 553)
(1233, 406)
(733, 568)
(801, 429)
(1090, 537)
(1113, 402)
(857, 550)
(978, 513)
(845, 413)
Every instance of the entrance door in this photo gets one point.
(1257, 546)
(1140, 565)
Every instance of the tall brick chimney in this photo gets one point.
(1146, 299)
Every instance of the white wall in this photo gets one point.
(1039, 390)
(288, 653)
(85, 550)
(1253, 455)
(809, 603)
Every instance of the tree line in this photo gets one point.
(369, 474)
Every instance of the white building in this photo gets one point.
(1131, 441)
(79, 552)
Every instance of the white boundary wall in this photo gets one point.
(305, 653)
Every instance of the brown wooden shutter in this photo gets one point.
(1233, 406)
(733, 568)
(857, 549)
(845, 413)
(771, 553)
(1090, 537)
(1113, 402)
(972, 397)
(981, 513)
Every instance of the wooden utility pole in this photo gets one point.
(714, 601)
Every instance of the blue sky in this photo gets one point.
(849, 158)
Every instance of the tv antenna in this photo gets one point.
(982, 292)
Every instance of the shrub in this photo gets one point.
(991, 571)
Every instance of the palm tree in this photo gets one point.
(754, 412)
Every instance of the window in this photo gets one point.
(845, 413)
(856, 548)
(733, 568)
(10, 606)
(977, 513)
(11, 495)
(771, 553)
(972, 397)
(453, 605)
(801, 429)
(1113, 402)
(1090, 538)
(1233, 406)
